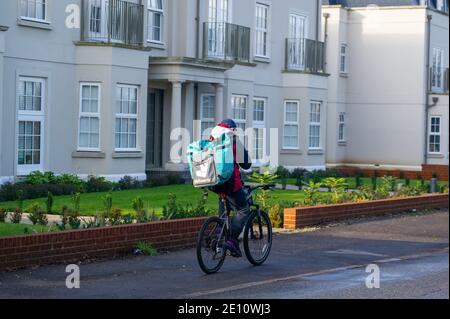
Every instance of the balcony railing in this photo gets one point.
(113, 21)
(439, 80)
(305, 55)
(226, 41)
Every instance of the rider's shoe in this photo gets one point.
(232, 245)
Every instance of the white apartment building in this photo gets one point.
(388, 103)
(103, 96)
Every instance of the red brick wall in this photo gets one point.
(426, 173)
(309, 216)
(72, 246)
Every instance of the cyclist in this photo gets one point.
(232, 190)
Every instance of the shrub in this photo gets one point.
(98, 184)
(337, 186)
(128, 182)
(366, 193)
(9, 192)
(76, 198)
(37, 177)
(444, 189)
(115, 217)
(145, 249)
(49, 202)
(311, 192)
(298, 173)
(408, 191)
(36, 214)
(64, 218)
(282, 172)
(107, 203)
(138, 207)
(263, 196)
(20, 200)
(2, 215)
(318, 175)
(276, 214)
(16, 216)
(389, 182)
(70, 179)
(374, 180)
(358, 181)
(171, 209)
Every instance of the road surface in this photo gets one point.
(411, 253)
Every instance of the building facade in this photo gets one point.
(388, 101)
(102, 87)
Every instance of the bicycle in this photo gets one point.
(214, 233)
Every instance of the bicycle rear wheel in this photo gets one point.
(210, 245)
(258, 238)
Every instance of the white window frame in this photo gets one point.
(82, 114)
(260, 30)
(233, 109)
(343, 58)
(342, 136)
(30, 18)
(127, 116)
(430, 133)
(31, 116)
(291, 123)
(153, 10)
(206, 119)
(257, 126)
(315, 124)
(437, 74)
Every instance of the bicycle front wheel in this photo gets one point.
(211, 252)
(258, 238)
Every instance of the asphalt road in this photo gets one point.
(411, 253)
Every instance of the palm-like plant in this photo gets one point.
(262, 196)
(311, 191)
(337, 187)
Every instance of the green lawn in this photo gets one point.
(19, 229)
(154, 198)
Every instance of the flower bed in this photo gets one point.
(313, 215)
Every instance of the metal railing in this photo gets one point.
(305, 55)
(439, 80)
(112, 21)
(226, 41)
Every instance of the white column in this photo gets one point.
(219, 103)
(175, 124)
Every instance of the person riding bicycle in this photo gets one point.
(233, 190)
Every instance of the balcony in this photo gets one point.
(439, 80)
(112, 21)
(226, 41)
(305, 55)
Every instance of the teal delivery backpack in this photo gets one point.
(211, 163)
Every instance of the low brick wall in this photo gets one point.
(77, 245)
(309, 216)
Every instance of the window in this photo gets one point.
(155, 20)
(208, 104)
(341, 127)
(296, 42)
(33, 9)
(126, 117)
(437, 72)
(239, 109)
(442, 5)
(262, 30)
(31, 101)
(291, 125)
(343, 63)
(89, 129)
(314, 125)
(259, 109)
(435, 135)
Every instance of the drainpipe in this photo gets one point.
(325, 41)
(427, 88)
(318, 7)
(197, 31)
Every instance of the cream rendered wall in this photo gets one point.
(384, 94)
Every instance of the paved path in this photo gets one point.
(411, 251)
